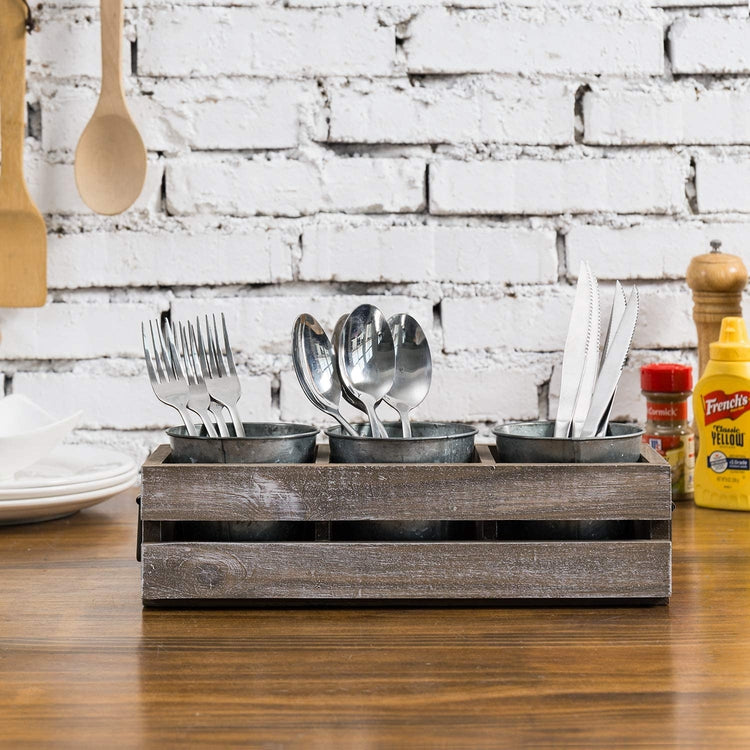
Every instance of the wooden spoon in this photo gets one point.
(23, 236)
(110, 158)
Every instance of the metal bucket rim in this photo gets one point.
(504, 431)
(468, 431)
(303, 431)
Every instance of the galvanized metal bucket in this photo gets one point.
(431, 443)
(264, 443)
(534, 442)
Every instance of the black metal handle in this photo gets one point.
(139, 538)
(30, 22)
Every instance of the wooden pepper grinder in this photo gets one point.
(717, 280)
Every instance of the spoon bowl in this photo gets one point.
(345, 392)
(411, 382)
(315, 367)
(367, 361)
(110, 163)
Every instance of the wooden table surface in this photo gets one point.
(83, 665)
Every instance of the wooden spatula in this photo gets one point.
(23, 236)
(110, 163)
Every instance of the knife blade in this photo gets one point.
(614, 361)
(574, 354)
(618, 308)
(591, 359)
(619, 301)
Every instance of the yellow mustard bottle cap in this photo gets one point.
(733, 343)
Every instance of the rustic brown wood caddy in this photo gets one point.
(507, 552)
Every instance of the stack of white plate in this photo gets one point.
(69, 478)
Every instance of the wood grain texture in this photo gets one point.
(23, 235)
(478, 491)
(717, 280)
(407, 570)
(83, 665)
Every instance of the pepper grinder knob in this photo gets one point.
(717, 280)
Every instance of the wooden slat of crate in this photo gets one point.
(478, 491)
(412, 570)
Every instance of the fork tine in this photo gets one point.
(157, 355)
(194, 363)
(213, 364)
(201, 350)
(185, 354)
(165, 356)
(228, 352)
(218, 353)
(176, 366)
(147, 356)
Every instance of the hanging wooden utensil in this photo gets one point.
(23, 235)
(717, 280)
(110, 164)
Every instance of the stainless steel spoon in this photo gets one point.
(345, 392)
(367, 361)
(411, 383)
(315, 366)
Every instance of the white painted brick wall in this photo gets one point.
(285, 187)
(665, 319)
(379, 252)
(655, 249)
(635, 185)
(723, 184)
(482, 110)
(456, 159)
(76, 331)
(67, 45)
(675, 113)
(527, 321)
(710, 45)
(264, 41)
(443, 41)
(169, 258)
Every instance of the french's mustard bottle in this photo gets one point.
(721, 405)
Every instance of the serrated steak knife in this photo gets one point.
(611, 369)
(574, 357)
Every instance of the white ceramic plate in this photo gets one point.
(32, 493)
(70, 465)
(48, 508)
(28, 433)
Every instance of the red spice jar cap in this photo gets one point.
(667, 378)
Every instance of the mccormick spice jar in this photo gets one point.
(667, 388)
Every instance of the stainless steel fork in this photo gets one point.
(169, 387)
(198, 400)
(216, 408)
(223, 383)
(199, 366)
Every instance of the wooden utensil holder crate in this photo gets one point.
(499, 561)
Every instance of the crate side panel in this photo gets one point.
(479, 492)
(469, 570)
